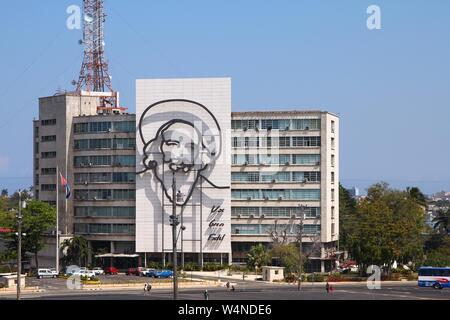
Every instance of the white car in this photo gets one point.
(53, 270)
(46, 273)
(98, 271)
(84, 273)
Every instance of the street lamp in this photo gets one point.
(22, 205)
(302, 209)
(177, 197)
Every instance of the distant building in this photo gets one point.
(354, 192)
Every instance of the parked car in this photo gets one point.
(85, 273)
(162, 274)
(111, 271)
(53, 270)
(146, 272)
(136, 271)
(45, 273)
(98, 271)
(71, 270)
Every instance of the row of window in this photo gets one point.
(48, 138)
(105, 177)
(106, 126)
(272, 124)
(270, 212)
(105, 194)
(48, 171)
(105, 212)
(48, 187)
(272, 177)
(281, 142)
(49, 122)
(88, 228)
(274, 194)
(99, 161)
(48, 155)
(266, 229)
(96, 144)
(281, 159)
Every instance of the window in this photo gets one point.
(105, 212)
(333, 160)
(332, 195)
(245, 229)
(120, 143)
(124, 161)
(306, 124)
(235, 142)
(306, 159)
(245, 176)
(48, 171)
(103, 177)
(81, 127)
(276, 177)
(124, 126)
(124, 177)
(48, 155)
(311, 229)
(36, 147)
(245, 211)
(284, 142)
(333, 143)
(333, 126)
(81, 178)
(81, 144)
(124, 194)
(123, 228)
(332, 212)
(80, 161)
(100, 127)
(306, 141)
(332, 177)
(100, 160)
(306, 177)
(48, 187)
(48, 138)
(333, 229)
(50, 122)
(100, 144)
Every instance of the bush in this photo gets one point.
(192, 266)
(291, 278)
(316, 278)
(213, 267)
(239, 268)
(154, 265)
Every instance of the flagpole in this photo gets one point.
(57, 221)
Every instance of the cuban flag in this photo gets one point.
(65, 185)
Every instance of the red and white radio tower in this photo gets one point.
(94, 74)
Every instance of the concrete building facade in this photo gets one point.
(276, 170)
(285, 171)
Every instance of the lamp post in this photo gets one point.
(22, 204)
(175, 222)
(302, 209)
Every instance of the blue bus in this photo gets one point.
(437, 278)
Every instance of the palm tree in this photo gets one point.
(442, 222)
(76, 250)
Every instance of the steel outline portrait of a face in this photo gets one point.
(183, 147)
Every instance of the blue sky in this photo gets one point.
(390, 86)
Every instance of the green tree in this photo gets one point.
(289, 257)
(76, 251)
(347, 210)
(387, 226)
(440, 256)
(442, 222)
(416, 194)
(38, 219)
(257, 257)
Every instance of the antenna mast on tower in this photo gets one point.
(94, 74)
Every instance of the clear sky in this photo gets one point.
(390, 86)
